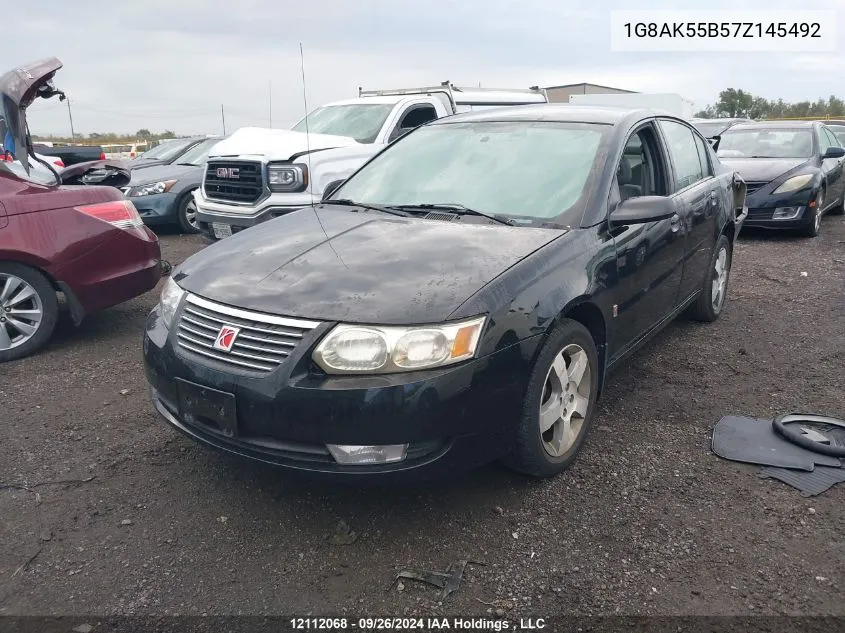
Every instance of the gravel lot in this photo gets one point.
(647, 522)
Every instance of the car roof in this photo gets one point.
(562, 113)
(756, 125)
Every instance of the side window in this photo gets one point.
(831, 138)
(686, 163)
(640, 171)
(704, 156)
(413, 118)
(824, 141)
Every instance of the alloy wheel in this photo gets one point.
(21, 311)
(565, 400)
(191, 214)
(720, 279)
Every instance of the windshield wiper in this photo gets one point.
(458, 209)
(345, 202)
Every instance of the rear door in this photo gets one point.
(4, 219)
(695, 187)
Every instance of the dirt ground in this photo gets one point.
(648, 521)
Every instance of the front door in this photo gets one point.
(649, 257)
(832, 168)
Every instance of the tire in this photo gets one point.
(546, 454)
(709, 306)
(815, 226)
(187, 214)
(839, 209)
(15, 311)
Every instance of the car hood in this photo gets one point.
(272, 144)
(156, 173)
(18, 89)
(763, 169)
(335, 264)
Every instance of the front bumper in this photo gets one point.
(155, 209)
(453, 418)
(762, 204)
(240, 216)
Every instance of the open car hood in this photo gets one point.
(18, 89)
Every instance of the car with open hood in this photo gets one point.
(459, 299)
(69, 235)
(711, 129)
(793, 171)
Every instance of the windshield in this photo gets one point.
(839, 131)
(199, 153)
(167, 150)
(533, 170)
(766, 143)
(361, 121)
(711, 128)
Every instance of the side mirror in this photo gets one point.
(330, 188)
(834, 152)
(642, 210)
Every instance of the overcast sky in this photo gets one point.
(171, 64)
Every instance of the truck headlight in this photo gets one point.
(287, 178)
(795, 183)
(370, 349)
(169, 302)
(150, 188)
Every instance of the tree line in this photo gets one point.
(739, 103)
(108, 138)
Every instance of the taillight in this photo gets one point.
(119, 213)
(59, 162)
(102, 156)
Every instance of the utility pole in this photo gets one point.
(271, 102)
(223, 118)
(70, 116)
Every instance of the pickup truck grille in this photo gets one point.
(262, 343)
(233, 181)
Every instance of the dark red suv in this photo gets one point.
(87, 242)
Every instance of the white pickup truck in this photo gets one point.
(257, 174)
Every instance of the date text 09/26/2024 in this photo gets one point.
(417, 624)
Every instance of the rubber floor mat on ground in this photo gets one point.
(753, 440)
(810, 484)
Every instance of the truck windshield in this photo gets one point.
(529, 170)
(361, 121)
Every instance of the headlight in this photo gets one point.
(350, 349)
(150, 189)
(795, 183)
(287, 178)
(170, 298)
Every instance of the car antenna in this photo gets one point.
(308, 152)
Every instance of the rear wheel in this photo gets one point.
(559, 402)
(714, 290)
(187, 215)
(28, 311)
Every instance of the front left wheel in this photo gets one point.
(29, 310)
(187, 215)
(559, 401)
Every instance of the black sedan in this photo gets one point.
(459, 299)
(163, 194)
(793, 170)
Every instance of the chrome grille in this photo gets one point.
(263, 343)
(245, 185)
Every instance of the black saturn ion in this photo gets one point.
(459, 299)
